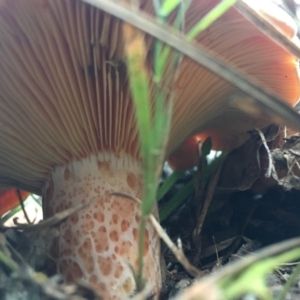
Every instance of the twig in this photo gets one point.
(209, 195)
(218, 264)
(23, 207)
(177, 251)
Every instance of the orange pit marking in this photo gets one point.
(99, 216)
(105, 264)
(125, 225)
(118, 271)
(135, 234)
(114, 236)
(115, 219)
(131, 180)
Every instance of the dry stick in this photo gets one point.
(298, 165)
(271, 165)
(269, 102)
(218, 264)
(209, 195)
(23, 207)
(177, 251)
(290, 168)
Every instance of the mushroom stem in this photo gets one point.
(99, 243)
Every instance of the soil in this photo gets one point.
(246, 212)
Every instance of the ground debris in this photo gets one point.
(24, 284)
(248, 210)
(19, 279)
(242, 166)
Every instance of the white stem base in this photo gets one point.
(98, 243)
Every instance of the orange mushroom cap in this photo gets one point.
(186, 155)
(9, 199)
(68, 128)
(229, 131)
(274, 15)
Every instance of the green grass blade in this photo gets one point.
(167, 184)
(176, 200)
(236, 286)
(139, 84)
(210, 17)
(139, 88)
(168, 6)
(290, 282)
(8, 262)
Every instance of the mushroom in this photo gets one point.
(68, 128)
(10, 199)
(187, 154)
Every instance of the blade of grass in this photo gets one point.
(167, 184)
(163, 105)
(153, 132)
(138, 74)
(8, 262)
(162, 52)
(290, 282)
(233, 271)
(210, 17)
(168, 6)
(269, 102)
(176, 200)
(256, 274)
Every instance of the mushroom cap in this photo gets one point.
(274, 15)
(186, 155)
(65, 92)
(244, 47)
(9, 199)
(229, 129)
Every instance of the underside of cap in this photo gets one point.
(275, 15)
(64, 88)
(237, 42)
(65, 93)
